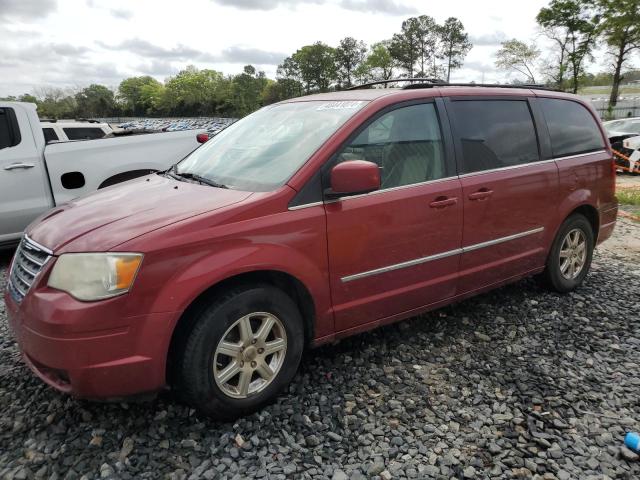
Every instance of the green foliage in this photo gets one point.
(95, 100)
(518, 56)
(349, 57)
(620, 29)
(422, 44)
(139, 95)
(628, 196)
(379, 64)
(573, 26)
(455, 44)
(316, 66)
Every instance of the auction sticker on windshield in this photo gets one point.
(340, 105)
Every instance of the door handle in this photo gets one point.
(13, 166)
(442, 202)
(481, 194)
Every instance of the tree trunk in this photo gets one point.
(617, 76)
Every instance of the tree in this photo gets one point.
(198, 92)
(620, 29)
(518, 56)
(573, 25)
(380, 62)
(139, 94)
(349, 55)
(95, 101)
(281, 89)
(56, 103)
(455, 44)
(315, 64)
(404, 46)
(247, 90)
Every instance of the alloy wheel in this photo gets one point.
(573, 254)
(250, 354)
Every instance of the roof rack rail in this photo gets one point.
(486, 85)
(431, 81)
(49, 120)
(415, 83)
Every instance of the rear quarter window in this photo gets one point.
(50, 135)
(86, 133)
(572, 128)
(9, 130)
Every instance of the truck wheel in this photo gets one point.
(243, 350)
(570, 256)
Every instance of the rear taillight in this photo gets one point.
(614, 172)
(202, 137)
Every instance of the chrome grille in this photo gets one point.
(28, 261)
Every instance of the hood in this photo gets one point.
(109, 217)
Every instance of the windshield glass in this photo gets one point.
(263, 150)
(624, 126)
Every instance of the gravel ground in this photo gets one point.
(516, 383)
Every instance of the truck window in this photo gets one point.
(50, 135)
(495, 133)
(572, 128)
(9, 130)
(83, 133)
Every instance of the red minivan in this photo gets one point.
(305, 222)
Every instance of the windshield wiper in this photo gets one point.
(197, 178)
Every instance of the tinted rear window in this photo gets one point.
(49, 135)
(494, 133)
(572, 128)
(9, 130)
(83, 133)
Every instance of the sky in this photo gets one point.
(73, 43)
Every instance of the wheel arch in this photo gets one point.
(289, 284)
(591, 214)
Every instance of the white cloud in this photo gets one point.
(73, 43)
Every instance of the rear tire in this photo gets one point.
(570, 257)
(242, 351)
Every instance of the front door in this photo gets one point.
(509, 194)
(23, 187)
(398, 248)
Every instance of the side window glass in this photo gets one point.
(83, 133)
(572, 128)
(406, 143)
(49, 135)
(9, 130)
(495, 133)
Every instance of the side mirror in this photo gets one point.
(354, 177)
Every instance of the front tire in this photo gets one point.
(242, 351)
(570, 257)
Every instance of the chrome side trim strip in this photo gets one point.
(581, 155)
(478, 246)
(397, 266)
(541, 162)
(438, 256)
(306, 205)
(510, 167)
(391, 189)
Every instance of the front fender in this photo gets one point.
(191, 262)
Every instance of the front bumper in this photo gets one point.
(88, 349)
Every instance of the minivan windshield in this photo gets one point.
(263, 150)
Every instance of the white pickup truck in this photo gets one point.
(35, 177)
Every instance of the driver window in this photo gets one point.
(405, 143)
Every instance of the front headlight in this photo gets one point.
(94, 276)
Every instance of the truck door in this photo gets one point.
(24, 192)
